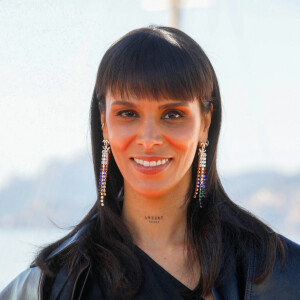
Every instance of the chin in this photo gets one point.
(151, 193)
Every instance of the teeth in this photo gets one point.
(152, 163)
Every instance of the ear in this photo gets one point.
(103, 123)
(205, 125)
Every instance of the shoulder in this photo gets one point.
(284, 281)
(293, 251)
(25, 286)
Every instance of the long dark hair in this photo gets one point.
(162, 62)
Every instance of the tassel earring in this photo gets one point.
(201, 173)
(103, 171)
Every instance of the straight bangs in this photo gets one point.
(155, 64)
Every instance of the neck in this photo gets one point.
(156, 222)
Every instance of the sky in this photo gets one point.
(50, 52)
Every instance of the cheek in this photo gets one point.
(185, 137)
(120, 136)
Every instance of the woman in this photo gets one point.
(162, 226)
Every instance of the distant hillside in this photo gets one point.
(273, 197)
(64, 192)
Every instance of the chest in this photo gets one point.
(176, 264)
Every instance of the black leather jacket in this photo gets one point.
(281, 285)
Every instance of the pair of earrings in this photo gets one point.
(200, 181)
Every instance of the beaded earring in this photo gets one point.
(103, 171)
(201, 173)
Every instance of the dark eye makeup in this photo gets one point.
(127, 114)
(173, 115)
(168, 115)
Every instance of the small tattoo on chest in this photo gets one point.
(154, 219)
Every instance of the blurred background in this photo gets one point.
(49, 55)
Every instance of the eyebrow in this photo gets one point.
(172, 104)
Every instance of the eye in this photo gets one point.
(173, 115)
(127, 114)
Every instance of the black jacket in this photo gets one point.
(282, 284)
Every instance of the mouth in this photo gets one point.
(152, 162)
(150, 165)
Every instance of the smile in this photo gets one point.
(152, 163)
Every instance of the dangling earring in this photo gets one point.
(103, 171)
(201, 173)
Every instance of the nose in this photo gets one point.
(149, 134)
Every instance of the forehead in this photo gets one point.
(119, 98)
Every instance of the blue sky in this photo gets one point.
(50, 52)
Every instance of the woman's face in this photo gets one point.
(154, 142)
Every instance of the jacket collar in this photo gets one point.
(67, 243)
(71, 240)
